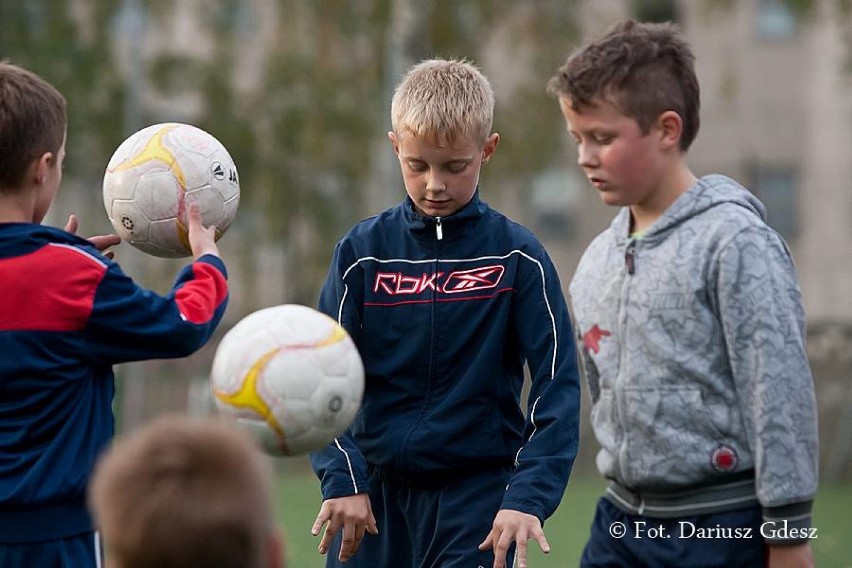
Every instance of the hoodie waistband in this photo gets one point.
(701, 500)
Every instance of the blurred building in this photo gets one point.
(777, 114)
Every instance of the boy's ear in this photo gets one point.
(41, 166)
(490, 145)
(394, 141)
(670, 125)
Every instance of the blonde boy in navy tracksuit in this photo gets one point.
(447, 299)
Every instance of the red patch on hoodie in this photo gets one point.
(592, 338)
(724, 459)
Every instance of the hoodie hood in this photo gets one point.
(708, 192)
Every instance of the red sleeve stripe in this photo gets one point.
(198, 299)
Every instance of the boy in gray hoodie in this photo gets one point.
(692, 328)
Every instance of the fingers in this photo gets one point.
(195, 220)
(503, 544)
(321, 519)
(201, 240)
(486, 544)
(521, 553)
(521, 539)
(353, 536)
(372, 528)
(349, 543)
(103, 242)
(72, 224)
(327, 538)
(542, 542)
(514, 527)
(353, 516)
(194, 212)
(494, 537)
(100, 242)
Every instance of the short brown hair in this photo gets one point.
(32, 122)
(643, 68)
(448, 98)
(183, 492)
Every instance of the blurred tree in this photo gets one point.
(68, 44)
(299, 92)
(307, 127)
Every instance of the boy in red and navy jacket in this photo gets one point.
(67, 314)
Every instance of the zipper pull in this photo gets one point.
(439, 231)
(630, 258)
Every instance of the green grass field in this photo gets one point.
(299, 500)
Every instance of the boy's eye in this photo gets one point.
(603, 138)
(456, 167)
(416, 166)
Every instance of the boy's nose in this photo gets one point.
(585, 156)
(435, 184)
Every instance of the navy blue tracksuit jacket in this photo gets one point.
(445, 311)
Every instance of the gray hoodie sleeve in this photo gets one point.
(761, 311)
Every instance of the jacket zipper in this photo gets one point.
(619, 393)
(439, 233)
(630, 257)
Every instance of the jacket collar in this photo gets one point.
(451, 225)
(20, 238)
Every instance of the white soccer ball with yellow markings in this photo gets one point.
(156, 173)
(291, 376)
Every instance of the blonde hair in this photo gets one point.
(184, 492)
(444, 98)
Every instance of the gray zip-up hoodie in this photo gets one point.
(694, 351)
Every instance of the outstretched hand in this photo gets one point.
(354, 515)
(514, 526)
(100, 242)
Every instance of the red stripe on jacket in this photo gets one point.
(54, 289)
(198, 303)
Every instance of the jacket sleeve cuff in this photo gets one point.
(524, 507)
(216, 261)
(788, 524)
(335, 490)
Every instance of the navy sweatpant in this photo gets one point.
(431, 526)
(79, 551)
(724, 540)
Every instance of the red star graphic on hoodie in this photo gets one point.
(592, 338)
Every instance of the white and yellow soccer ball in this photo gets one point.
(291, 376)
(156, 173)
